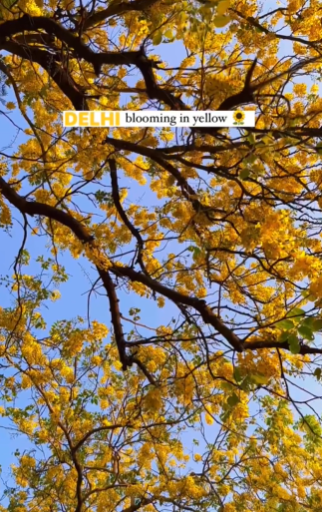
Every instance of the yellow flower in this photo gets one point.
(55, 295)
(299, 90)
(160, 302)
(314, 89)
(68, 374)
(117, 365)
(209, 419)
(31, 7)
(239, 116)
(294, 6)
(201, 293)
(229, 507)
(96, 360)
(104, 404)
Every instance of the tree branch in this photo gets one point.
(83, 234)
(117, 8)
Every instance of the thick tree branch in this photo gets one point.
(254, 23)
(47, 61)
(122, 214)
(115, 315)
(258, 345)
(243, 97)
(83, 234)
(29, 23)
(34, 23)
(117, 8)
(188, 192)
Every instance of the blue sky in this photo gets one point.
(74, 293)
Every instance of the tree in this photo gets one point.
(229, 244)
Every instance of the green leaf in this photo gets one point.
(308, 322)
(195, 251)
(317, 325)
(223, 6)
(8, 3)
(284, 336)
(168, 33)
(237, 374)
(246, 384)
(157, 38)
(244, 174)
(225, 416)
(251, 139)
(285, 325)
(250, 159)
(259, 379)
(296, 314)
(221, 21)
(259, 29)
(317, 373)
(233, 400)
(294, 344)
(306, 332)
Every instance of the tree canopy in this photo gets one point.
(218, 407)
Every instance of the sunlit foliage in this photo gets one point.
(208, 410)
